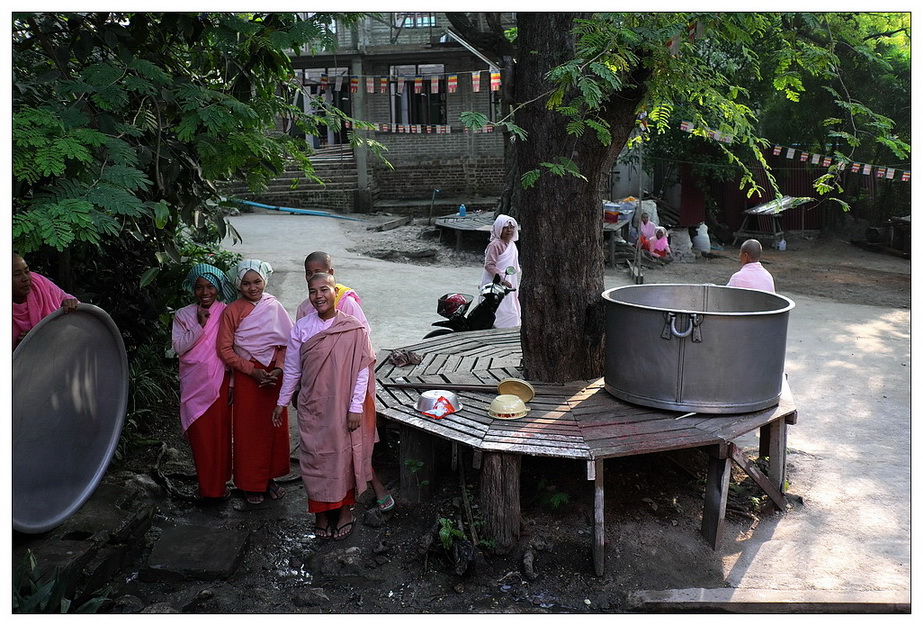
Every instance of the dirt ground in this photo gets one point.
(396, 563)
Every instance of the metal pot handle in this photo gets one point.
(670, 327)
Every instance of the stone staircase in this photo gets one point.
(334, 165)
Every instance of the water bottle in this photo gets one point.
(462, 210)
(782, 245)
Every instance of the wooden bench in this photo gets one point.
(577, 420)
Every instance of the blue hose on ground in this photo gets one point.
(296, 211)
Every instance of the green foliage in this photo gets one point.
(837, 81)
(119, 118)
(414, 466)
(448, 533)
(35, 593)
(549, 495)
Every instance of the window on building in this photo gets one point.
(414, 20)
(426, 106)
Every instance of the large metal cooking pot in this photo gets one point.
(702, 348)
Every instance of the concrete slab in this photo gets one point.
(771, 601)
(195, 553)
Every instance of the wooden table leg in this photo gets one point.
(716, 495)
(500, 499)
(773, 444)
(417, 464)
(599, 521)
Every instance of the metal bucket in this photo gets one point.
(702, 348)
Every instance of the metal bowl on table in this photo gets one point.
(438, 403)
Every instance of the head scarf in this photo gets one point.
(260, 267)
(215, 276)
(499, 223)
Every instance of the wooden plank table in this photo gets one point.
(578, 420)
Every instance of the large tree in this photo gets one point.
(580, 82)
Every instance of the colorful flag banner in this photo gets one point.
(434, 84)
(369, 84)
(353, 84)
(905, 176)
(777, 150)
(855, 167)
(890, 173)
(323, 83)
(804, 156)
(475, 81)
(815, 159)
(790, 153)
(400, 85)
(827, 161)
(418, 84)
(495, 81)
(383, 83)
(686, 126)
(452, 83)
(867, 169)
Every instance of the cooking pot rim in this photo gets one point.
(789, 304)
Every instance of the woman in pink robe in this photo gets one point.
(501, 254)
(330, 358)
(254, 332)
(205, 413)
(34, 298)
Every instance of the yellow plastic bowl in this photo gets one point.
(507, 406)
(516, 387)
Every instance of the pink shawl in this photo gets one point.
(44, 298)
(266, 328)
(333, 459)
(201, 371)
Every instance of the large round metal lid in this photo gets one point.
(70, 392)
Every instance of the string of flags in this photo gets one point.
(427, 129)
(867, 169)
(804, 156)
(398, 84)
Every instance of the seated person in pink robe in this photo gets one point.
(330, 358)
(752, 274)
(646, 231)
(660, 245)
(34, 297)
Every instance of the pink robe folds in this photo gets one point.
(44, 298)
(753, 276)
(337, 376)
(254, 336)
(203, 384)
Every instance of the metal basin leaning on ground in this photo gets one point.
(70, 392)
(703, 348)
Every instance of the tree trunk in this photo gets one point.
(500, 499)
(561, 240)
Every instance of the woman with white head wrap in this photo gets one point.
(501, 254)
(252, 339)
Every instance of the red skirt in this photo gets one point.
(315, 506)
(261, 450)
(210, 439)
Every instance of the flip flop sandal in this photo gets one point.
(323, 532)
(254, 498)
(348, 525)
(386, 503)
(275, 491)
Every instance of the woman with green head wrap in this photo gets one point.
(205, 413)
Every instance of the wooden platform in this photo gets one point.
(578, 420)
(483, 222)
